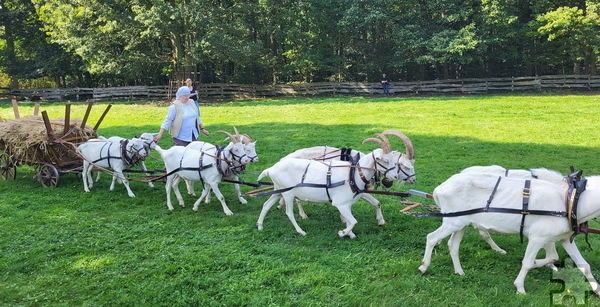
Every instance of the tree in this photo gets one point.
(577, 30)
(27, 54)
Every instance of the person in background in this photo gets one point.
(182, 120)
(193, 92)
(385, 83)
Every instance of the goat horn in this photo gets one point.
(384, 139)
(248, 139)
(233, 138)
(382, 144)
(236, 132)
(410, 149)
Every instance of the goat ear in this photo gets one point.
(378, 153)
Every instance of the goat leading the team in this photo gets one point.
(533, 208)
(327, 153)
(195, 165)
(149, 143)
(337, 182)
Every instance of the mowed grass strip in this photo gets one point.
(64, 246)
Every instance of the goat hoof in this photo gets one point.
(259, 226)
(552, 267)
(228, 213)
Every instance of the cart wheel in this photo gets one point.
(8, 170)
(47, 175)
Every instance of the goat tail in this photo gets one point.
(264, 174)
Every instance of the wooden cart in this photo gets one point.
(58, 155)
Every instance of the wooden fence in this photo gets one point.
(227, 91)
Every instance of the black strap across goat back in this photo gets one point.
(346, 154)
(303, 184)
(489, 201)
(108, 157)
(525, 211)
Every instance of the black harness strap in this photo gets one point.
(328, 185)
(328, 182)
(575, 189)
(352, 181)
(124, 156)
(491, 210)
(108, 157)
(489, 201)
(525, 211)
(487, 209)
(346, 154)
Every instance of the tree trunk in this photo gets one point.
(10, 55)
(590, 61)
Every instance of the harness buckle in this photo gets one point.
(526, 192)
(525, 212)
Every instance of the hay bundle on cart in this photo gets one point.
(48, 145)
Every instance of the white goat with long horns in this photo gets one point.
(327, 153)
(337, 182)
(547, 225)
(195, 165)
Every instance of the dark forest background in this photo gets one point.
(65, 43)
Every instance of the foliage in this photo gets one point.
(25, 52)
(241, 41)
(62, 246)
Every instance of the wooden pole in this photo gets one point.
(87, 114)
(102, 117)
(36, 109)
(48, 126)
(67, 118)
(15, 107)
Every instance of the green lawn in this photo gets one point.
(62, 246)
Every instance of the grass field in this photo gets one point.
(62, 246)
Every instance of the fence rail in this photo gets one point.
(225, 90)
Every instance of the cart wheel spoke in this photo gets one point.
(8, 169)
(47, 175)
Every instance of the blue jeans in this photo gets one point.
(385, 89)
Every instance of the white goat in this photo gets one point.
(194, 165)
(115, 156)
(149, 143)
(338, 182)
(536, 173)
(467, 191)
(327, 153)
(229, 170)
